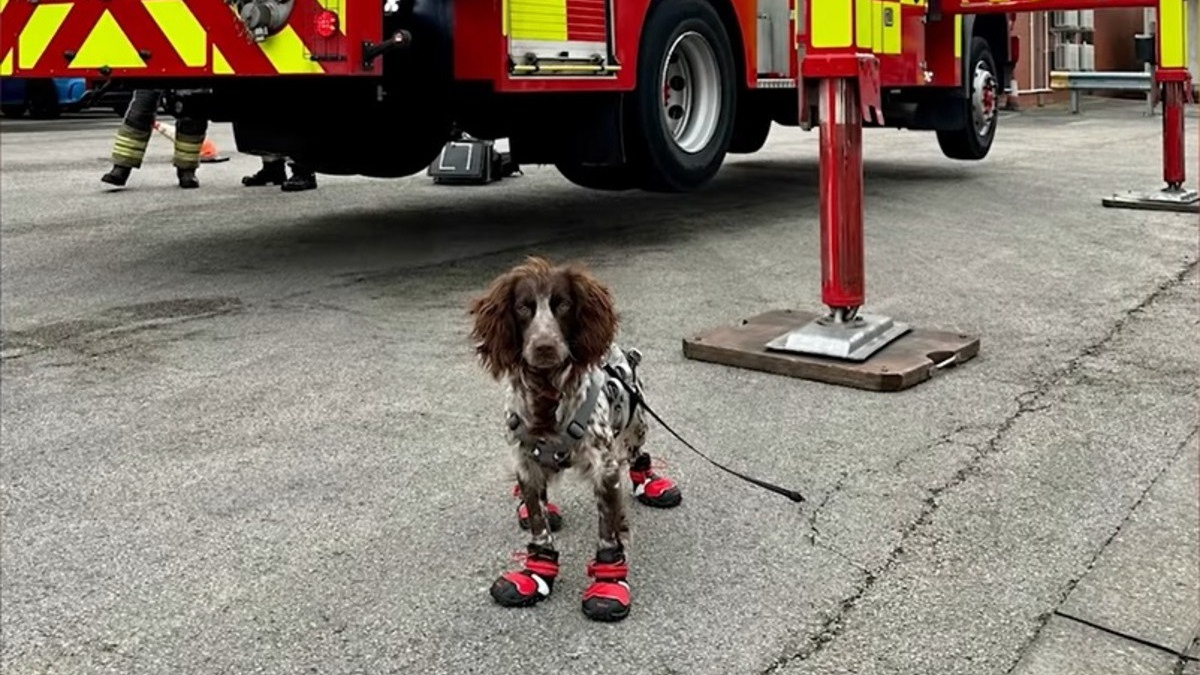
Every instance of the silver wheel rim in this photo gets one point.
(691, 91)
(983, 99)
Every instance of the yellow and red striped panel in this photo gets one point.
(558, 20)
(168, 38)
(587, 21)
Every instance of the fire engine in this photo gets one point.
(617, 94)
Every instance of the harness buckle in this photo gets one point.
(576, 430)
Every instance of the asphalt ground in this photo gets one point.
(243, 431)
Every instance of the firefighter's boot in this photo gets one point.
(187, 178)
(302, 178)
(271, 173)
(117, 176)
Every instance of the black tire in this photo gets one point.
(751, 127)
(42, 97)
(968, 143)
(608, 178)
(665, 166)
(13, 110)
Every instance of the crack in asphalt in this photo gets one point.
(1181, 664)
(814, 532)
(1027, 402)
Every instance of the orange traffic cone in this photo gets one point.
(208, 149)
(209, 154)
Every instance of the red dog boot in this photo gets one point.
(553, 514)
(607, 598)
(650, 488)
(531, 584)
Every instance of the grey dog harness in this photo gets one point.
(555, 452)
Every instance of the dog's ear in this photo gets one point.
(495, 331)
(594, 318)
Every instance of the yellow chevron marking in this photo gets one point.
(107, 45)
(6, 64)
(288, 54)
(219, 65)
(38, 32)
(180, 26)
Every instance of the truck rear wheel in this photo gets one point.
(974, 141)
(681, 114)
(42, 98)
(751, 126)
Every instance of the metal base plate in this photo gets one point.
(855, 340)
(902, 363)
(1179, 201)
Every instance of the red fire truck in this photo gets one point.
(617, 94)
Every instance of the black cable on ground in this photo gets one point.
(1126, 636)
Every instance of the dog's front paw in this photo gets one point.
(607, 598)
(532, 583)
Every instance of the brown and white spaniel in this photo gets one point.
(547, 332)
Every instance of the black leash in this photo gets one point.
(638, 400)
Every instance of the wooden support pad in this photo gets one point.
(910, 360)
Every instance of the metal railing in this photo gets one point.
(1077, 82)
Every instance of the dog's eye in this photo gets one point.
(560, 305)
(525, 310)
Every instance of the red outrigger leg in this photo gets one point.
(1176, 87)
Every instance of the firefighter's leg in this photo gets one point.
(303, 178)
(189, 137)
(273, 172)
(129, 147)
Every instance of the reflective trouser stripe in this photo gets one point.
(187, 151)
(129, 147)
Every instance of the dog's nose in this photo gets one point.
(544, 351)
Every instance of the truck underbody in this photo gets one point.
(687, 94)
